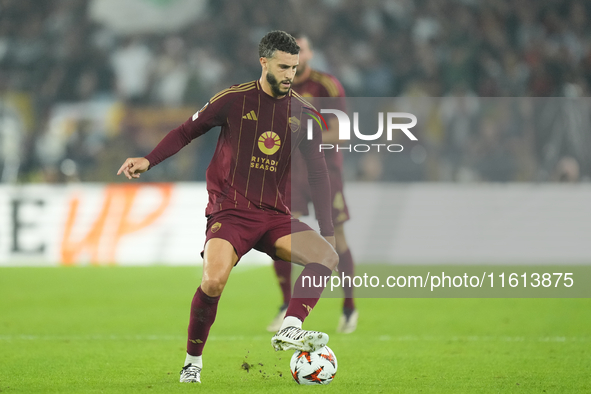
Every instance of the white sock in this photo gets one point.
(195, 360)
(291, 321)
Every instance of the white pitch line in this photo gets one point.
(231, 338)
(476, 338)
(122, 338)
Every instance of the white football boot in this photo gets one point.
(190, 374)
(348, 324)
(278, 320)
(294, 338)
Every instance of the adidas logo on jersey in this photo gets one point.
(250, 116)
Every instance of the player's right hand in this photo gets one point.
(133, 167)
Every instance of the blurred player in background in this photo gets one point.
(246, 182)
(310, 84)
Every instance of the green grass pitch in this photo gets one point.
(122, 330)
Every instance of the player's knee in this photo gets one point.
(213, 287)
(330, 259)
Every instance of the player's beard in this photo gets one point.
(276, 85)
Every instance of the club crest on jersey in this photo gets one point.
(269, 142)
(294, 123)
(216, 226)
(196, 114)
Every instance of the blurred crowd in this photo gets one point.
(53, 53)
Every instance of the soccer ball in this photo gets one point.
(317, 367)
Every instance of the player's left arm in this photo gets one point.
(333, 88)
(331, 136)
(319, 183)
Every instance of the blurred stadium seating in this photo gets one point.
(80, 92)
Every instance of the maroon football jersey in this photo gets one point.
(317, 85)
(251, 163)
(320, 84)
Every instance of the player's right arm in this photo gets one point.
(209, 116)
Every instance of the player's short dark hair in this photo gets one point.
(277, 40)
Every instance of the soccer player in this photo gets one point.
(311, 83)
(246, 182)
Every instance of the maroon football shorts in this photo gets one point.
(252, 228)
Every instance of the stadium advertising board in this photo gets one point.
(160, 223)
